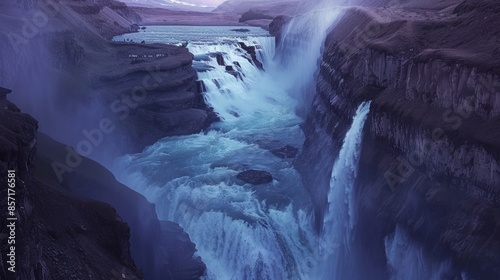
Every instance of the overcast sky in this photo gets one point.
(185, 3)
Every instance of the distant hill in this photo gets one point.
(272, 8)
(177, 5)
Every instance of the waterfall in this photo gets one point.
(301, 46)
(241, 231)
(236, 89)
(339, 221)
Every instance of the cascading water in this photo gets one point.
(241, 231)
(301, 46)
(256, 232)
(338, 223)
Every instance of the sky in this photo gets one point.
(186, 3)
(210, 3)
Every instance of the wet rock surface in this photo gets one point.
(286, 152)
(255, 177)
(252, 52)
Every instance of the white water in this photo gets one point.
(335, 240)
(241, 232)
(302, 42)
(262, 232)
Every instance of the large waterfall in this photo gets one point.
(301, 44)
(241, 231)
(244, 231)
(258, 232)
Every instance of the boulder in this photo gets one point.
(255, 177)
(285, 152)
(242, 30)
(251, 50)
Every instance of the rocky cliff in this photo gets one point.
(430, 158)
(57, 235)
(60, 167)
(63, 233)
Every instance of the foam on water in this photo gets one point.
(241, 232)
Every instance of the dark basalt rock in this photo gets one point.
(183, 265)
(220, 59)
(454, 202)
(255, 177)
(252, 14)
(242, 30)
(55, 227)
(236, 74)
(285, 152)
(251, 50)
(154, 245)
(276, 26)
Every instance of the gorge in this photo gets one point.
(355, 140)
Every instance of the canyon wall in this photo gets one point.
(430, 158)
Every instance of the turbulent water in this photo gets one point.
(241, 231)
(260, 232)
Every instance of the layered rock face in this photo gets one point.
(84, 78)
(430, 158)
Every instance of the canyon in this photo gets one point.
(421, 76)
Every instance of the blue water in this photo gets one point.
(178, 34)
(241, 231)
(259, 232)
